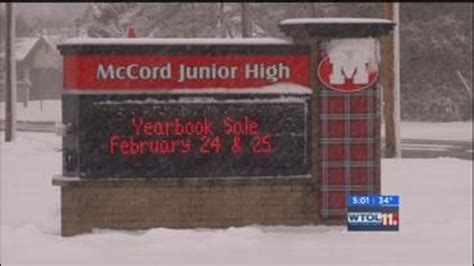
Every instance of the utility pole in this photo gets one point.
(245, 20)
(10, 95)
(391, 83)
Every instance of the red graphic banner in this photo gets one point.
(90, 72)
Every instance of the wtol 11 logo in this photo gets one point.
(373, 213)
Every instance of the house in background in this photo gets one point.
(39, 69)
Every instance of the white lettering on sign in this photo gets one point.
(206, 72)
(133, 72)
(272, 72)
(102, 73)
(349, 65)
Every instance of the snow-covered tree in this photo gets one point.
(436, 41)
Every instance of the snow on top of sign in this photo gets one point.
(368, 47)
(203, 100)
(175, 41)
(295, 21)
(277, 88)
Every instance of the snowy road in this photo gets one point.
(435, 225)
(429, 148)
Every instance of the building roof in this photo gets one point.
(25, 45)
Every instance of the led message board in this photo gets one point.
(180, 135)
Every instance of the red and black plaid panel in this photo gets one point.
(347, 145)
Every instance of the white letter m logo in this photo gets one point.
(349, 64)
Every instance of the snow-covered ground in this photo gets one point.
(47, 110)
(435, 225)
(461, 131)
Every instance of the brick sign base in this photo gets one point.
(184, 203)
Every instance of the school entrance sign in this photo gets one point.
(185, 133)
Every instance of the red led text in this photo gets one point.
(235, 135)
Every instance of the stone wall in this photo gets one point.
(185, 203)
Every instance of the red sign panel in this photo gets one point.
(346, 75)
(89, 72)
